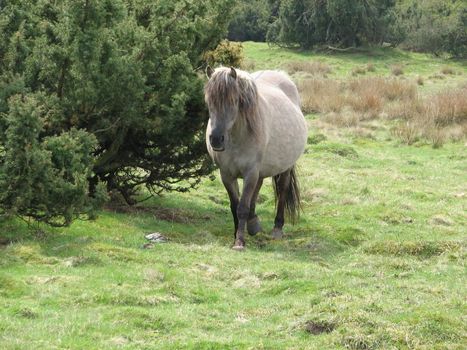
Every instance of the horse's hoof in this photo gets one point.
(238, 245)
(277, 233)
(254, 226)
(238, 248)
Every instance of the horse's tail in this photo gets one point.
(292, 196)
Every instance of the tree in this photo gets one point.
(433, 26)
(343, 23)
(117, 75)
(250, 20)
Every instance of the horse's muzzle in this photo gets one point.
(217, 143)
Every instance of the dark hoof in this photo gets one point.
(277, 233)
(253, 226)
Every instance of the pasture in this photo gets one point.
(377, 260)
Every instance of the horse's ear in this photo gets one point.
(209, 71)
(233, 73)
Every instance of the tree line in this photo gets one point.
(432, 26)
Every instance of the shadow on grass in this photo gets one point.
(118, 235)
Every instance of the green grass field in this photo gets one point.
(377, 260)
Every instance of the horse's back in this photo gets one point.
(279, 80)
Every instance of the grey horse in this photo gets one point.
(256, 130)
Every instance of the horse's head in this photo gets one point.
(228, 96)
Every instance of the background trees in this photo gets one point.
(343, 23)
(427, 25)
(101, 92)
(433, 26)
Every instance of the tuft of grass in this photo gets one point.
(397, 70)
(447, 70)
(407, 132)
(424, 249)
(310, 67)
(10, 287)
(370, 67)
(319, 327)
(248, 65)
(344, 151)
(321, 95)
(420, 80)
(359, 70)
(314, 139)
(344, 119)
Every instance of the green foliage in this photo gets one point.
(339, 22)
(227, 53)
(251, 20)
(45, 178)
(428, 25)
(433, 26)
(115, 82)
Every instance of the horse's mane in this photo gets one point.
(223, 90)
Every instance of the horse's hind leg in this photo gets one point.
(253, 224)
(282, 182)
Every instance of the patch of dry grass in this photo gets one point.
(448, 107)
(347, 119)
(397, 70)
(248, 65)
(359, 70)
(436, 118)
(416, 248)
(311, 67)
(370, 67)
(322, 95)
(446, 70)
(408, 132)
(364, 95)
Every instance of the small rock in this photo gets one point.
(156, 237)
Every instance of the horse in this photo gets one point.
(256, 130)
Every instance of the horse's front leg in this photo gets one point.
(231, 185)
(250, 182)
(253, 225)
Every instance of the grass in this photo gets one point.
(391, 85)
(377, 260)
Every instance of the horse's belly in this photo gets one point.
(287, 144)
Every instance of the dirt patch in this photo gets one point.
(319, 327)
